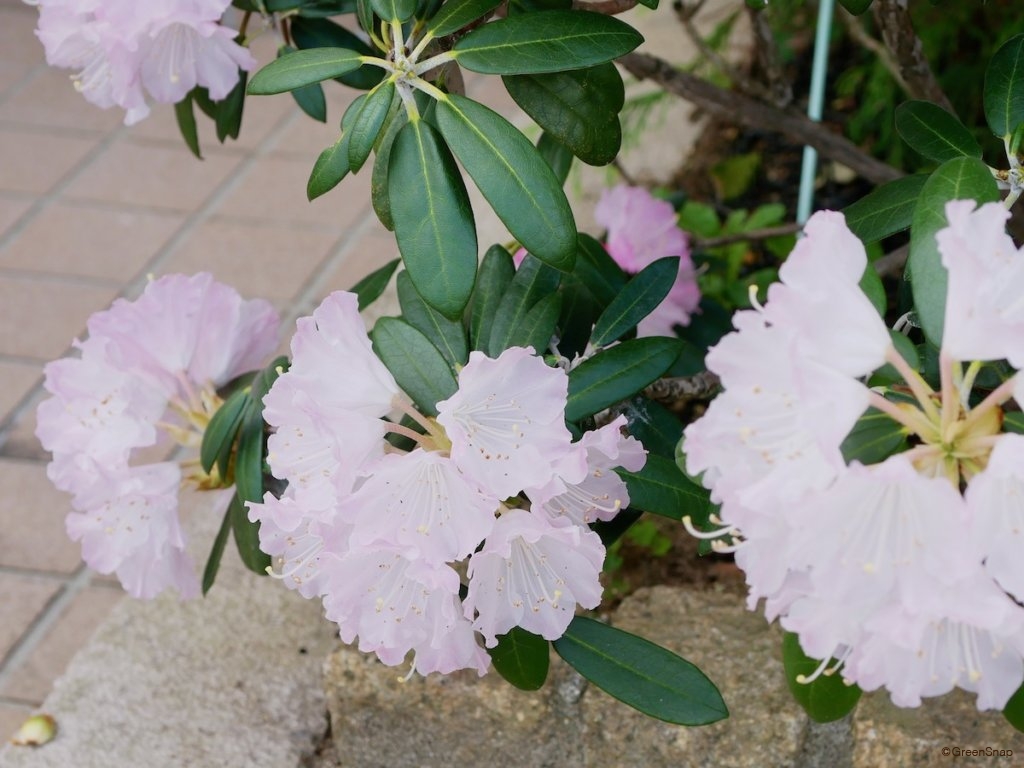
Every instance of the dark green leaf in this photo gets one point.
(433, 218)
(886, 210)
(216, 553)
(618, 373)
(1013, 421)
(367, 124)
(934, 133)
(295, 70)
(654, 425)
(539, 324)
(1014, 710)
(369, 289)
(366, 16)
(960, 179)
(873, 438)
(455, 14)
(872, 286)
(640, 674)
(638, 298)
(532, 282)
(310, 98)
(247, 538)
(579, 313)
(580, 108)
(329, 169)
(324, 33)
(515, 179)
(496, 272)
(219, 436)
(557, 155)
(825, 699)
(249, 459)
(228, 117)
(545, 41)
(186, 117)
(856, 7)
(449, 336)
(394, 10)
(381, 165)
(690, 361)
(653, 4)
(522, 658)
(1004, 87)
(597, 270)
(417, 365)
(661, 488)
(530, 6)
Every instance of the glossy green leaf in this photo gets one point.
(522, 658)
(417, 365)
(249, 459)
(873, 438)
(1014, 710)
(640, 674)
(369, 289)
(532, 282)
(310, 98)
(301, 68)
(216, 553)
(661, 488)
(871, 285)
(496, 272)
(580, 311)
(886, 210)
(933, 132)
(324, 33)
(456, 14)
(219, 435)
(228, 117)
(580, 108)
(449, 336)
(545, 41)
(366, 16)
(538, 326)
(960, 179)
(381, 165)
(597, 270)
(618, 373)
(515, 179)
(433, 218)
(333, 165)
(186, 117)
(825, 699)
(1013, 421)
(856, 7)
(367, 123)
(531, 6)
(394, 10)
(654, 425)
(247, 538)
(638, 298)
(1003, 93)
(557, 155)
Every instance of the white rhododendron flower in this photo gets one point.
(904, 573)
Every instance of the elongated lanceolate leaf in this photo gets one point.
(417, 365)
(219, 436)
(825, 699)
(372, 286)
(433, 219)
(455, 14)
(934, 133)
(496, 272)
(661, 488)
(394, 10)
(333, 164)
(522, 658)
(1003, 94)
(381, 165)
(639, 673)
(964, 178)
(216, 553)
(449, 336)
(532, 282)
(545, 41)
(294, 70)
(618, 373)
(515, 179)
(558, 156)
(186, 117)
(640, 296)
(367, 124)
(324, 33)
(886, 210)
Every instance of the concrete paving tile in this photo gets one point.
(34, 162)
(69, 239)
(153, 175)
(49, 99)
(17, 35)
(11, 718)
(19, 441)
(11, 209)
(259, 261)
(17, 379)
(371, 251)
(305, 137)
(34, 678)
(41, 317)
(32, 534)
(275, 190)
(12, 73)
(23, 598)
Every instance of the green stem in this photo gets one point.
(432, 62)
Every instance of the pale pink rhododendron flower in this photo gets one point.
(149, 369)
(904, 573)
(641, 230)
(388, 537)
(123, 50)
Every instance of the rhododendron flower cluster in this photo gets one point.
(477, 525)
(905, 572)
(123, 50)
(148, 368)
(641, 230)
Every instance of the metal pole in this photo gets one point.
(814, 107)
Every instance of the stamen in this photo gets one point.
(725, 530)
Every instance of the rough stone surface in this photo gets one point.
(233, 680)
(885, 735)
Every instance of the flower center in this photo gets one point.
(185, 423)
